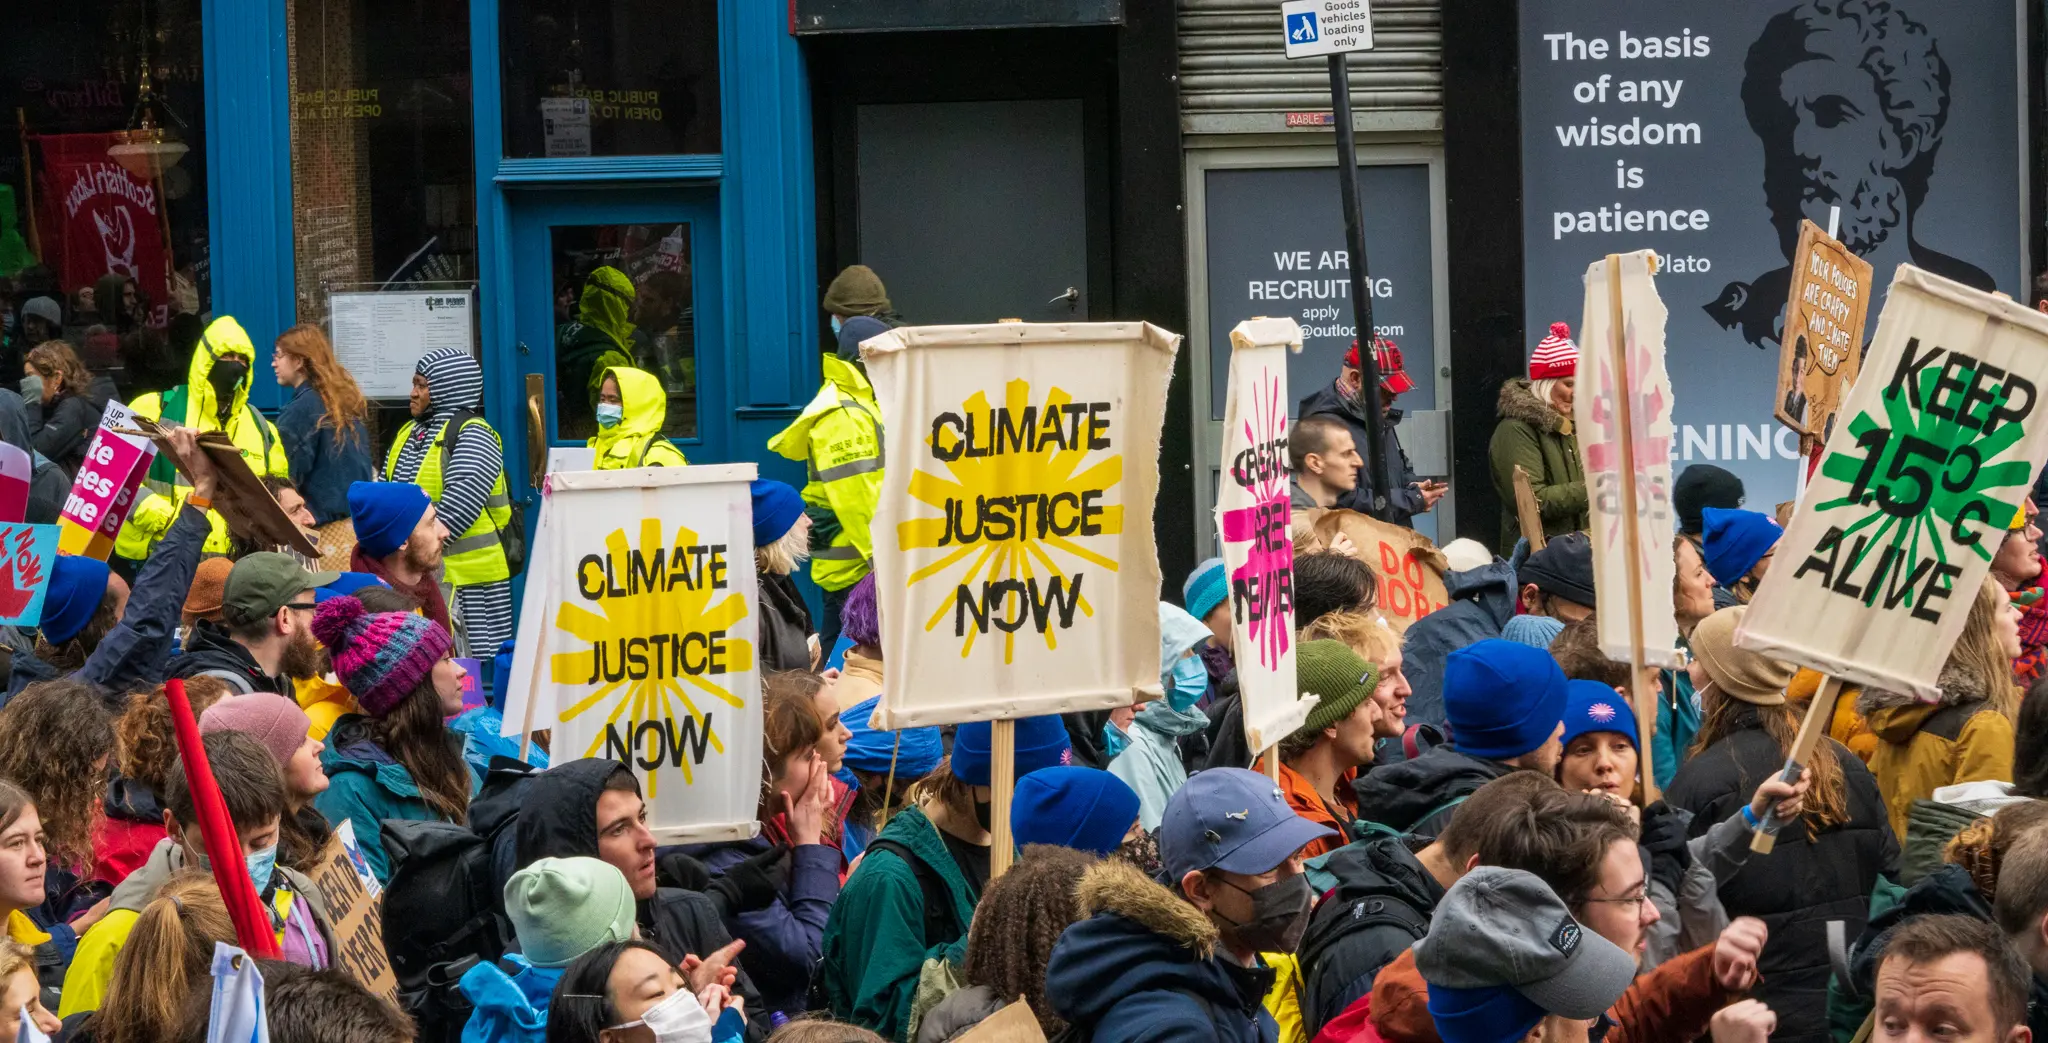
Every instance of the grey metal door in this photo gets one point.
(976, 211)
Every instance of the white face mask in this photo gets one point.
(677, 1019)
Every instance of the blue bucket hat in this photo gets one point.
(870, 749)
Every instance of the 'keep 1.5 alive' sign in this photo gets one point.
(1895, 534)
(1014, 567)
(638, 636)
(1708, 131)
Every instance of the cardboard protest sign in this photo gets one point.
(637, 639)
(1634, 388)
(1822, 343)
(1895, 534)
(358, 921)
(1014, 565)
(27, 554)
(249, 509)
(1410, 567)
(1252, 516)
(105, 489)
(1013, 1024)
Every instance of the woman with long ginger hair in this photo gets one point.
(325, 427)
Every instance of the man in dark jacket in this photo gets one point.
(1387, 888)
(1411, 493)
(1181, 963)
(592, 808)
(267, 636)
(1505, 703)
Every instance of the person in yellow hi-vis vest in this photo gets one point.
(449, 450)
(632, 408)
(214, 397)
(839, 435)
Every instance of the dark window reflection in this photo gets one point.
(610, 77)
(623, 298)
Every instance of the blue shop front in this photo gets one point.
(347, 163)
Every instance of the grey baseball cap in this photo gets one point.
(1234, 820)
(1502, 951)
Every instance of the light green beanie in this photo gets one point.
(1342, 677)
(565, 907)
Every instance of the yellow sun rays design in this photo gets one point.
(663, 694)
(1050, 472)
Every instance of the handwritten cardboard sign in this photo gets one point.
(357, 919)
(1896, 531)
(1410, 568)
(1013, 1024)
(1822, 344)
(105, 489)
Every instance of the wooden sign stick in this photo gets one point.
(1272, 760)
(1002, 777)
(1819, 714)
(1642, 696)
(1527, 513)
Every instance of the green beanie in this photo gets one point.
(856, 291)
(565, 907)
(1342, 677)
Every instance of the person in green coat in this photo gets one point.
(883, 930)
(1535, 431)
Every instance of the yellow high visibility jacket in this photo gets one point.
(636, 441)
(478, 554)
(839, 435)
(195, 405)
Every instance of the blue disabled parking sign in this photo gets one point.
(1320, 27)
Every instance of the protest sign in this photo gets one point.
(357, 918)
(241, 499)
(1014, 566)
(1822, 343)
(637, 639)
(105, 489)
(1410, 567)
(1874, 579)
(1622, 414)
(17, 470)
(27, 553)
(1252, 515)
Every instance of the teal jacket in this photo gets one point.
(1678, 722)
(875, 944)
(367, 785)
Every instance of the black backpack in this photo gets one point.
(443, 907)
(1336, 920)
(940, 925)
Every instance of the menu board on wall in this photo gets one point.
(381, 336)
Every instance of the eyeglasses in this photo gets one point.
(305, 607)
(1636, 901)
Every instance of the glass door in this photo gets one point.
(619, 277)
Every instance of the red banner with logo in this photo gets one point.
(98, 218)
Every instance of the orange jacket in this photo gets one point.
(1306, 802)
(1676, 1001)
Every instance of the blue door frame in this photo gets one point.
(533, 214)
(762, 180)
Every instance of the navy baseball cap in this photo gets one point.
(1234, 820)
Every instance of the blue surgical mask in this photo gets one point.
(835, 325)
(609, 415)
(1113, 739)
(1190, 682)
(260, 864)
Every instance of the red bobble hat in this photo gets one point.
(1556, 356)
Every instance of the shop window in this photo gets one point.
(103, 201)
(383, 185)
(610, 77)
(623, 296)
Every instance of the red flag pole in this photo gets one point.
(223, 844)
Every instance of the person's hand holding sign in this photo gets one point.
(183, 443)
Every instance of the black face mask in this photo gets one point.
(1279, 915)
(225, 375)
(981, 813)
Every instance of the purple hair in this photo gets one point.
(858, 619)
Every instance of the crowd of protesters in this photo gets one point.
(1460, 843)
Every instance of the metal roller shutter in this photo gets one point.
(1235, 80)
